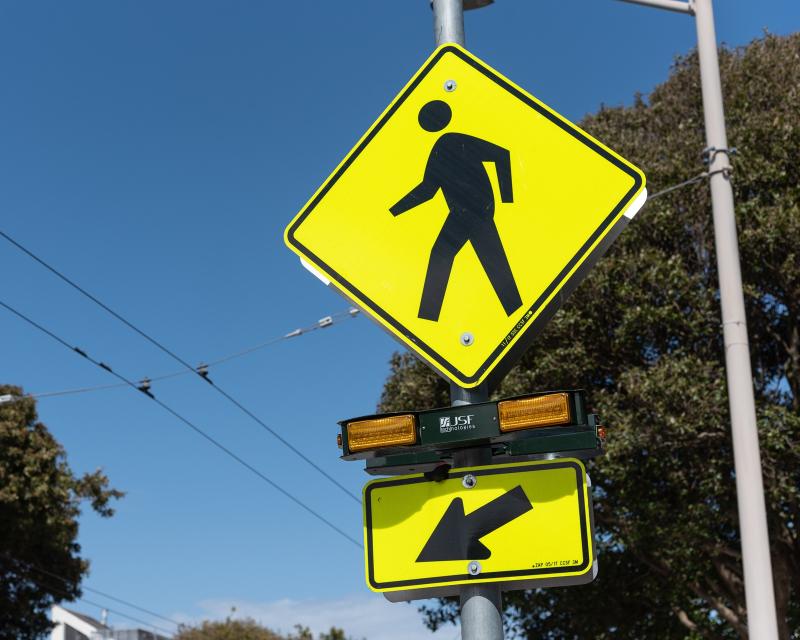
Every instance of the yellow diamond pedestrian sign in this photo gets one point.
(523, 524)
(465, 215)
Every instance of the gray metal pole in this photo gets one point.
(481, 605)
(761, 617)
(758, 586)
(448, 21)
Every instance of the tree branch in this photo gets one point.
(732, 581)
(726, 612)
(687, 622)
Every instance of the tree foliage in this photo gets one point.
(249, 629)
(40, 500)
(642, 335)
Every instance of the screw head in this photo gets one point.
(450, 86)
(467, 339)
(469, 481)
(474, 568)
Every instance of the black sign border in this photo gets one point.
(482, 577)
(582, 252)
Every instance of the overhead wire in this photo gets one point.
(93, 590)
(129, 604)
(124, 615)
(106, 367)
(680, 185)
(327, 321)
(200, 373)
(65, 594)
(65, 392)
(83, 587)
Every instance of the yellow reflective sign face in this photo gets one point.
(465, 214)
(526, 521)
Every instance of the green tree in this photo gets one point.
(246, 629)
(249, 629)
(40, 499)
(334, 634)
(642, 335)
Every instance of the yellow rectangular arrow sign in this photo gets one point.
(512, 523)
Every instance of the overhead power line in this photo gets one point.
(110, 597)
(66, 595)
(184, 420)
(119, 613)
(83, 587)
(322, 323)
(202, 373)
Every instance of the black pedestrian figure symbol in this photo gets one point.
(455, 166)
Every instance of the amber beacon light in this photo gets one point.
(388, 431)
(529, 413)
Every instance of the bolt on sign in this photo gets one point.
(525, 524)
(465, 215)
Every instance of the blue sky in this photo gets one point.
(154, 151)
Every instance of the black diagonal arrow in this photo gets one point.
(457, 536)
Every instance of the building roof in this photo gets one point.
(88, 620)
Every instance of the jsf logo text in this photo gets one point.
(456, 423)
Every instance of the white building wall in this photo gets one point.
(63, 618)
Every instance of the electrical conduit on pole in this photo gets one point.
(481, 608)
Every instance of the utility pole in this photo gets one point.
(481, 604)
(758, 586)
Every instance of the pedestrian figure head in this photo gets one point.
(435, 115)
